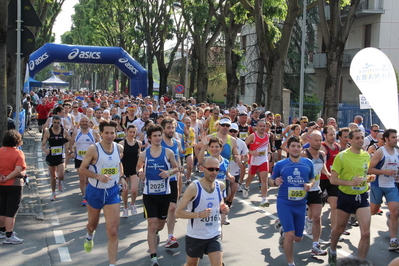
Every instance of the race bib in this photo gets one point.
(262, 153)
(81, 153)
(317, 177)
(120, 135)
(156, 186)
(296, 193)
(278, 136)
(109, 171)
(56, 150)
(214, 218)
(243, 135)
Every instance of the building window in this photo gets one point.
(367, 36)
(242, 85)
(244, 43)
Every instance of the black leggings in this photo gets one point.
(10, 198)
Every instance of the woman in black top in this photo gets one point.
(131, 152)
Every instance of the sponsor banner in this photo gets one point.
(51, 52)
(373, 73)
(364, 104)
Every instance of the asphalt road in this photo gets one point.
(56, 238)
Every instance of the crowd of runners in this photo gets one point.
(120, 144)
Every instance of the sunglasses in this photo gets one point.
(215, 113)
(233, 131)
(225, 125)
(56, 123)
(75, 107)
(375, 130)
(212, 169)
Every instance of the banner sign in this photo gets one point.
(364, 104)
(374, 75)
(117, 56)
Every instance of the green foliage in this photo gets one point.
(312, 107)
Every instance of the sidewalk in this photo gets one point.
(30, 223)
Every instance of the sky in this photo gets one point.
(63, 22)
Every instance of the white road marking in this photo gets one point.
(64, 254)
(59, 237)
(261, 210)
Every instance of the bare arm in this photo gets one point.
(339, 182)
(373, 163)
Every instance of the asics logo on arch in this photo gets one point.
(127, 64)
(83, 54)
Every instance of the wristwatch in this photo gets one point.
(123, 176)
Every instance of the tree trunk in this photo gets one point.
(259, 93)
(123, 82)
(3, 66)
(333, 81)
(11, 80)
(115, 77)
(232, 60)
(275, 77)
(202, 75)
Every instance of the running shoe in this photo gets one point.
(188, 182)
(240, 188)
(388, 215)
(281, 238)
(2, 235)
(125, 213)
(13, 240)
(53, 196)
(83, 203)
(264, 203)
(133, 209)
(154, 261)
(308, 226)
(245, 193)
(66, 170)
(277, 224)
(61, 186)
(332, 259)
(393, 245)
(353, 220)
(317, 251)
(346, 233)
(89, 243)
(226, 220)
(379, 212)
(172, 243)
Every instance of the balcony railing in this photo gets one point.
(320, 59)
(366, 8)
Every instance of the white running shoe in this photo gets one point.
(245, 193)
(317, 251)
(264, 203)
(53, 196)
(240, 187)
(2, 235)
(309, 226)
(13, 239)
(133, 209)
(125, 213)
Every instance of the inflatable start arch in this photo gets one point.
(62, 53)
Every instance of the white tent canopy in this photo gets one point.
(55, 81)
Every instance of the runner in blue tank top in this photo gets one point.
(159, 164)
(168, 141)
(295, 177)
(102, 165)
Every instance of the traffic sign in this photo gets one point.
(179, 88)
(87, 82)
(178, 95)
(27, 41)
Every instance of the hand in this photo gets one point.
(181, 169)
(47, 151)
(205, 213)
(357, 180)
(278, 181)
(204, 139)
(371, 178)
(3, 178)
(224, 208)
(72, 155)
(391, 173)
(164, 173)
(103, 178)
(231, 178)
(141, 175)
(307, 187)
(124, 184)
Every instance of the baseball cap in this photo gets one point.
(234, 126)
(224, 121)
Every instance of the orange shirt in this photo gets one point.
(9, 158)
